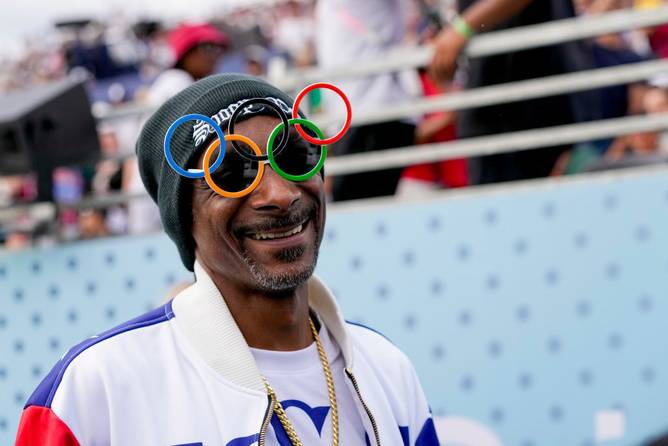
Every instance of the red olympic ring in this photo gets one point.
(346, 101)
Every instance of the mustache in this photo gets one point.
(270, 223)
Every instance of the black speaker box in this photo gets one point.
(46, 127)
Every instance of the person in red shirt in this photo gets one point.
(434, 127)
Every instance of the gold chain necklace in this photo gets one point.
(278, 407)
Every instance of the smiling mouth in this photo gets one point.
(278, 235)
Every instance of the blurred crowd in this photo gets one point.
(120, 48)
(147, 62)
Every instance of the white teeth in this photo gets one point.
(266, 235)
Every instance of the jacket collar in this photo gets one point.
(204, 318)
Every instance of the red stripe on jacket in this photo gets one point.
(41, 426)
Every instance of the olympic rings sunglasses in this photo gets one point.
(237, 173)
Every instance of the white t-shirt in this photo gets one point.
(167, 84)
(293, 34)
(298, 379)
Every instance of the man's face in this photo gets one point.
(267, 240)
(201, 61)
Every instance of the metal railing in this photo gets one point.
(498, 143)
(496, 42)
(486, 44)
(484, 145)
(512, 92)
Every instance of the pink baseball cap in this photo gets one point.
(187, 36)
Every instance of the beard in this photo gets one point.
(269, 281)
(296, 273)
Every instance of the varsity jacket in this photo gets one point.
(183, 375)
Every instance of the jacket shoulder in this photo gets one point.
(375, 344)
(44, 394)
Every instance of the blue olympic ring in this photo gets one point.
(193, 173)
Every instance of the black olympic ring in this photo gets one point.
(281, 114)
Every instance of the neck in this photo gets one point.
(269, 321)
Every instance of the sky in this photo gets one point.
(31, 18)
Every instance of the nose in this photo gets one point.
(274, 193)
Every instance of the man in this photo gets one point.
(255, 352)
(487, 15)
(350, 32)
(197, 50)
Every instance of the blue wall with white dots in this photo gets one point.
(526, 310)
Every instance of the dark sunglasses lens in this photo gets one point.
(236, 173)
(300, 156)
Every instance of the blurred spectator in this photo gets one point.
(68, 185)
(350, 31)
(658, 36)
(487, 15)
(616, 101)
(68, 220)
(17, 189)
(18, 240)
(654, 100)
(196, 50)
(434, 127)
(92, 224)
(256, 60)
(294, 32)
(627, 150)
(93, 53)
(39, 64)
(637, 144)
(117, 220)
(18, 233)
(107, 177)
(153, 47)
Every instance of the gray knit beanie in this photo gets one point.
(216, 96)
